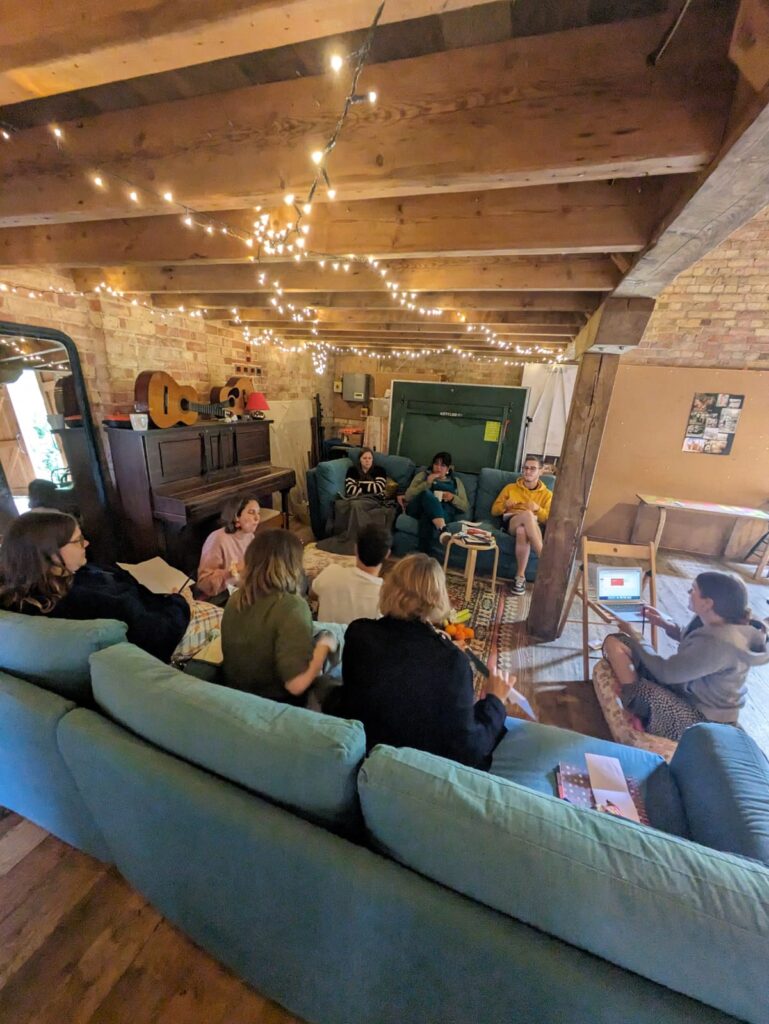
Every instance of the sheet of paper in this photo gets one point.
(609, 786)
(492, 430)
(516, 697)
(156, 575)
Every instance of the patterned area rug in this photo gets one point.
(495, 617)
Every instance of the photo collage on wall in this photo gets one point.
(712, 423)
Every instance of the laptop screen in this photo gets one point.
(619, 584)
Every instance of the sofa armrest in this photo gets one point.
(313, 505)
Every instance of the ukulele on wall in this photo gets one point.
(168, 403)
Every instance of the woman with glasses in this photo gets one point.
(44, 571)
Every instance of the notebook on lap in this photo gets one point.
(619, 591)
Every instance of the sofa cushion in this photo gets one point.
(690, 918)
(723, 777)
(54, 653)
(530, 752)
(295, 757)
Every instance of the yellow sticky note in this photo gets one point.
(491, 433)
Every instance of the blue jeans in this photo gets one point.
(425, 507)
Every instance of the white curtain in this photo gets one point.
(550, 391)
(290, 442)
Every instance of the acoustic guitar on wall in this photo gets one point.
(168, 403)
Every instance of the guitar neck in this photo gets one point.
(207, 410)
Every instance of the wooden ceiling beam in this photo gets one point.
(575, 105)
(580, 217)
(524, 320)
(411, 340)
(586, 273)
(48, 49)
(281, 324)
(580, 303)
(723, 198)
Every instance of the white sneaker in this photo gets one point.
(519, 585)
(444, 537)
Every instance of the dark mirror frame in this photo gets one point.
(91, 438)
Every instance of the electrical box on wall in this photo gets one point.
(356, 387)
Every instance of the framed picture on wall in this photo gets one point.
(712, 423)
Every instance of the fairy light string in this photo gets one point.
(290, 240)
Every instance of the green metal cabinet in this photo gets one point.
(481, 425)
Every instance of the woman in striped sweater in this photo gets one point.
(365, 479)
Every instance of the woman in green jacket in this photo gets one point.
(435, 497)
(267, 629)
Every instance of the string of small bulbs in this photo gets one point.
(291, 239)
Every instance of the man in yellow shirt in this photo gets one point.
(524, 507)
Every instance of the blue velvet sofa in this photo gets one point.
(394, 887)
(325, 483)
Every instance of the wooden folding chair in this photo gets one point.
(580, 587)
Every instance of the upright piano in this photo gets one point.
(172, 484)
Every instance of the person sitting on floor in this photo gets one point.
(705, 680)
(224, 552)
(525, 508)
(436, 496)
(44, 571)
(347, 592)
(366, 478)
(408, 683)
(267, 629)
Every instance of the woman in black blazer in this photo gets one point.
(408, 683)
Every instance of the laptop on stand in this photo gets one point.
(619, 591)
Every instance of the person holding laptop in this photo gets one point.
(705, 680)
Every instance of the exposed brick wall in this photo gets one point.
(717, 312)
(116, 340)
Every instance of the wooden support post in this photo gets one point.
(584, 431)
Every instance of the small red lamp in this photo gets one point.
(256, 405)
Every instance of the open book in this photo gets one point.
(603, 787)
(157, 575)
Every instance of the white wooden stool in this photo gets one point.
(472, 556)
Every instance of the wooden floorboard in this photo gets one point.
(79, 946)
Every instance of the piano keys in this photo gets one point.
(172, 484)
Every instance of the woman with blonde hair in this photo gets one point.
(408, 683)
(267, 628)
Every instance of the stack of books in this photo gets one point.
(472, 533)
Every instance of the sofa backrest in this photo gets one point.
(723, 778)
(297, 758)
(491, 482)
(690, 918)
(34, 780)
(54, 653)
